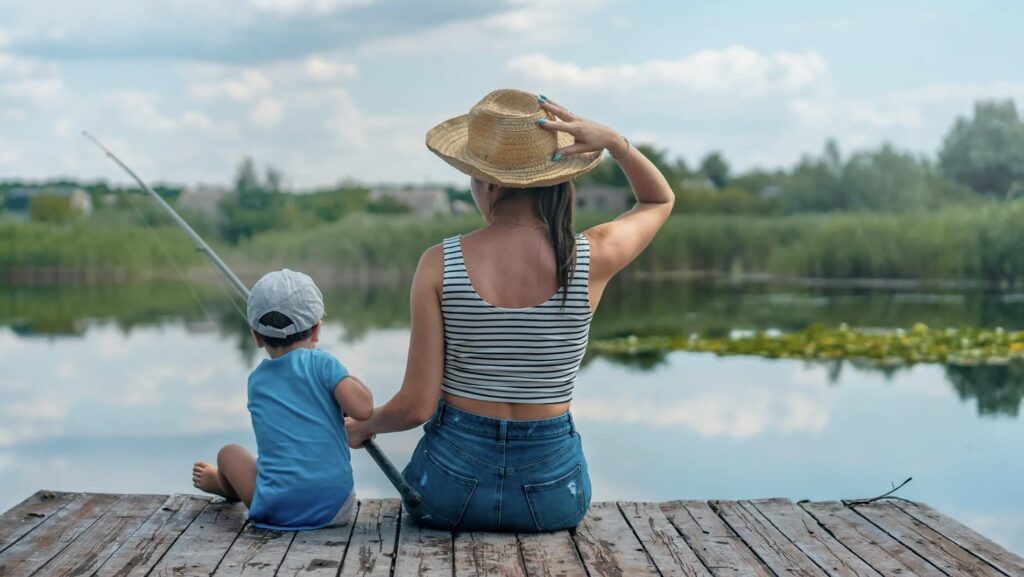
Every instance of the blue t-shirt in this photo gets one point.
(303, 467)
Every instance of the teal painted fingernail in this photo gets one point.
(542, 121)
(542, 98)
(557, 157)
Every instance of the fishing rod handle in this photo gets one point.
(410, 496)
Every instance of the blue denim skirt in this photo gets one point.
(482, 474)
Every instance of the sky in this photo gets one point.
(333, 90)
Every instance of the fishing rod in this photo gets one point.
(410, 496)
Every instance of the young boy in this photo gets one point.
(302, 478)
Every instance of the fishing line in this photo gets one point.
(227, 293)
(156, 238)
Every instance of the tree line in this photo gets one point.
(981, 157)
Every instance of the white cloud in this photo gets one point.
(315, 6)
(736, 70)
(64, 128)
(323, 69)
(245, 86)
(266, 113)
(29, 80)
(9, 156)
(142, 111)
(520, 23)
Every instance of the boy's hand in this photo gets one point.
(357, 433)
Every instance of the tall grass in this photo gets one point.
(982, 243)
(84, 245)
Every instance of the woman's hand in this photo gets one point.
(589, 135)
(357, 433)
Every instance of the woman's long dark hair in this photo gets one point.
(553, 206)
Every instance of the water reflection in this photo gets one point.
(116, 409)
(629, 308)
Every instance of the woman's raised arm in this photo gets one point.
(615, 244)
(416, 401)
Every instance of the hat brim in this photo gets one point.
(448, 140)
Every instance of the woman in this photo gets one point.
(500, 319)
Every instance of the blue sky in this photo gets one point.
(333, 89)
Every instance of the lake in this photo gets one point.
(120, 389)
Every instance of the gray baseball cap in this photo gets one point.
(290, 293)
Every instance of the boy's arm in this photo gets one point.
(354, 397)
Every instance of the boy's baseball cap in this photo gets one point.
(290, 293)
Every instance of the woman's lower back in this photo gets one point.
(477, 473)
(508, 411)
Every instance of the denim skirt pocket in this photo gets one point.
(445, 492)
(558, 504)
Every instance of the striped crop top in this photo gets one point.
(513, 355)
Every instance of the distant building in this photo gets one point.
(602, 198)
(18, 201)
(421, 201)
(203, 199)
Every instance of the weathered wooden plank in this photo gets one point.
(27, 515)
(550, 555)
(54, 534)
(925, 541)
(804, 532)
(202, 546)
(423, 551)
(97, 543)
(721, 550)
(994, 554)
(483, 554)
(774, 549)
(371, 548)
(608, 546)
(887, 555)
(255, 553)
(317, 553)
(144, 548)
(663, 543)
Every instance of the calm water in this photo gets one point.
(121, 389)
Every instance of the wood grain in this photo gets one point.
(608, 546)
(718, 546)
(144, 548)
(27, 515)
(202, 546)
(876, 547)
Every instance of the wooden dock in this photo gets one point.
(135, 535)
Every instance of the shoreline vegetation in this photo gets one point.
(976, 247)
(884, 347)
(872, 215)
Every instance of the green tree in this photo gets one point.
(716, 169)
(986, 152)
(887, 179)
(332, 204)
(387, 205)
(815, 183)
(256, 206)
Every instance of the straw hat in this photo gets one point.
(499, 141)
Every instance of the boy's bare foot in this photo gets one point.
(204, 478)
